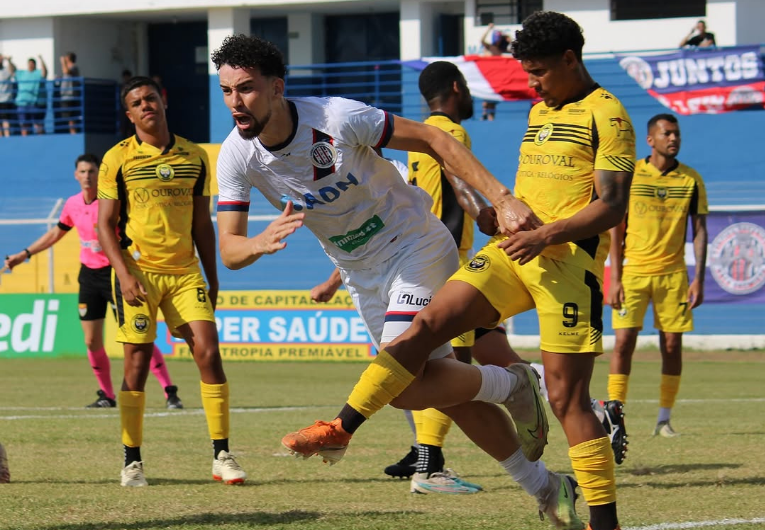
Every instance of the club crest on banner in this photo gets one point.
(737, 258)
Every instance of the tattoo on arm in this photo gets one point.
(613, 188)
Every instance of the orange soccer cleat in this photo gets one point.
(326, 439)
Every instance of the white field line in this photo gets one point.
(195, 412)
(115, 412)
(697, 524)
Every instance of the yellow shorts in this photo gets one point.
(568, 299)
(467, 339)
(181, 297)
(669, 294)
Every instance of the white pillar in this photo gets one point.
(416, 29)
(222, 22)
(306, 38)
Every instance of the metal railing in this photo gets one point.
(375, 83)
(87, 105)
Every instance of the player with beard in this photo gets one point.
(648, 263)
(154, 213)
(391, 251)
(575, 167)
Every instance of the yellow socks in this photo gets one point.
(433, 427)
(617, 387)
(132, 405)
(670, 385)
(593, 463)
(215, 403)
(382, 381)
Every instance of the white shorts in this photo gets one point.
(388, 295)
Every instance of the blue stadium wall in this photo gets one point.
(724, 148)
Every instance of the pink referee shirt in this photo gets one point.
(85, 217)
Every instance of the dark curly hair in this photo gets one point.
(547, 34)
(437, 79)
(243, 51)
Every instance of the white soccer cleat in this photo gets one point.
(663, 428)
(225, 469)
(132, 475)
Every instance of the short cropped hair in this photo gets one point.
(72, 56)
(136, 82)
(547, 34)
(88, 158)
(243, 51)
(437, 79)
(664, 116)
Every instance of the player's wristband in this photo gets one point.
(29, 254)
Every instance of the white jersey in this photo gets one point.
(356, 202)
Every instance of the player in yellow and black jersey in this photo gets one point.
(648, 263)
(156, 188)
(450, 205)
(154, 209)
(576, 165)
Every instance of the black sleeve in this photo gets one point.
(64, 227)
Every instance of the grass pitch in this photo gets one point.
(65, 460)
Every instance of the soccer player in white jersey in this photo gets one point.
(313, 159)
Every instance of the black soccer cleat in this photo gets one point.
(173, 401)
(406, 467)
(103, 402)
(613, 422)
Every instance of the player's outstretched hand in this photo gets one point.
(514, 216)
(14, 259)
(133, 292)
(272, 238)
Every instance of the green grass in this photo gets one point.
(65, 461)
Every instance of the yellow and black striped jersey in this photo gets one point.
(156, 189)
(562, 148)
(657, 218)
(427, 173)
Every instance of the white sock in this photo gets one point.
(663, 414)
(410, 419)
(542, 385)
(496, 384)
(532, 476)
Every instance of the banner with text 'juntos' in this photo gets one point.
(281, 326)
(703, 80)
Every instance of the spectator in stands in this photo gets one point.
(29, 96)
(497, 45)
(7, 106)
(126, 126)
(699, 37)
(71, 90)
